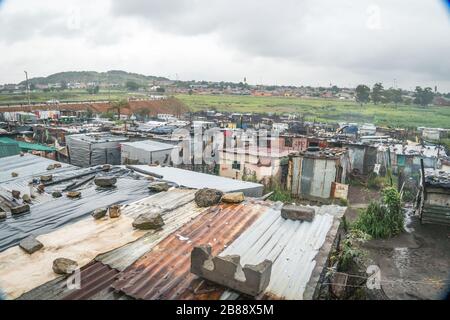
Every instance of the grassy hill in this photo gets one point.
(113, 76)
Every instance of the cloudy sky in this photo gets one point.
(298, 42)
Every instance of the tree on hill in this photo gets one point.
(132, 85)
(362, 93)
(377, 93)
(423, 97)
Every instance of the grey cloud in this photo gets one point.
(411, 35)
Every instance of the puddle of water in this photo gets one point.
(401, 259)
(409, 213)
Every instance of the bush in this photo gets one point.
(349, 253)
(382, 220)
(280, 194)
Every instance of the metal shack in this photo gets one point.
(146, 152)
(312, 173)
(363, 157)
(94, 149)
(433, 201)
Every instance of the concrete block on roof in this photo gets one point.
(300, 213)
(227, 271)
(234, 197)
(31, 244)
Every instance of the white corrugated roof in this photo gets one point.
(292, 246)
(149, 145)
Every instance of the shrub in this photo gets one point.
(382, 220)
(350, 252)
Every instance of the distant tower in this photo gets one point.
(245, 79)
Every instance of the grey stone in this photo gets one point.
(51, 167)
(149, 221)
(207, 197)
(74, 194)
(227, 271)
(2, 214)
(26, 198)
(293, 212)
(105, 182)
(20, 209)
(99, 213)
(15, 194)
(46, 178)
(114, 211)
(64, 266)
(14, 174)
(30, 245)
(56, 194)
(158, 186)
(235, 197)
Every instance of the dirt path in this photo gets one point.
(415, 264)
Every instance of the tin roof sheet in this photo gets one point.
(179, 210)
(164, 272)
(292, 246)
(197, 180)
(149, 145)
(94, 278)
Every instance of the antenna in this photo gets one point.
(27, 88)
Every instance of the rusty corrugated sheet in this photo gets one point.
(94, 278)
(164, 272)
(123, 257)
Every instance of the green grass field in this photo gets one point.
(321, 110)
(325, 110)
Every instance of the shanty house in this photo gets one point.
(311, 174)
(146, 152)
(94, 149)
(433, 201)
(260, 164)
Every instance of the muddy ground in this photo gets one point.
(414, 264)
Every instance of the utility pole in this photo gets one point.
(28, 88)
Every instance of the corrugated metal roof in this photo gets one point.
(180, 210)
(51, 215)
(94, 278)
(27, 166)
(81, 241)
(149, 145)
(197, 180)
(164, 272)
(166, 201)
(98, 137)
(292, 246)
